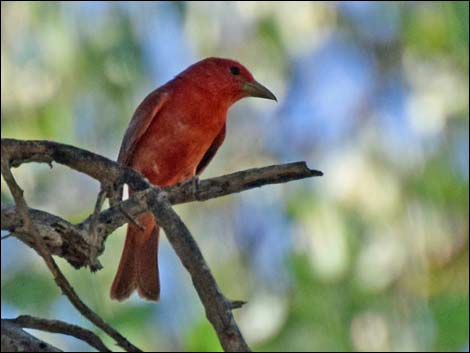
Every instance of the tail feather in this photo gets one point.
(138, 268)
(148, 283)
(125, 280)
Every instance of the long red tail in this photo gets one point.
(138, 268)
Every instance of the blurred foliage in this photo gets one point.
(373, 256)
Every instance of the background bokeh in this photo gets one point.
(372, 256)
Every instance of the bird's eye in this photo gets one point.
(235, 70)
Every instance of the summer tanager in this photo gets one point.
(173, 135)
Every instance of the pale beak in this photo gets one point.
(256, 89)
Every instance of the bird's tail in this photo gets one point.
(138, 268)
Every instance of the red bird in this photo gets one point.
(173, 135)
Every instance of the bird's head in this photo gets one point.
(227, 79)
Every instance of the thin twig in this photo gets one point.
(237, 304)
(62, 327)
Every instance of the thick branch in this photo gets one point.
(218, 308)
(56, 326)
(60, 237)
(15, 339)
(104, 170)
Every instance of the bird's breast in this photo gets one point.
(175, 143)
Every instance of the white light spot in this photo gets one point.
(125, 192)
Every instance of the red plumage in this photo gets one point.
(172, 136)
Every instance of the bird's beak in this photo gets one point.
(256, 89)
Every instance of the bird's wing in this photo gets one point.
(143, 117)
(210, 153)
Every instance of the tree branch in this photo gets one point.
(218, 308)
(56, 326)
(239, 181)
(110, 173)
(71, 241)
(147, 197)
(59, 277)
(15, 339)
(61, 237)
